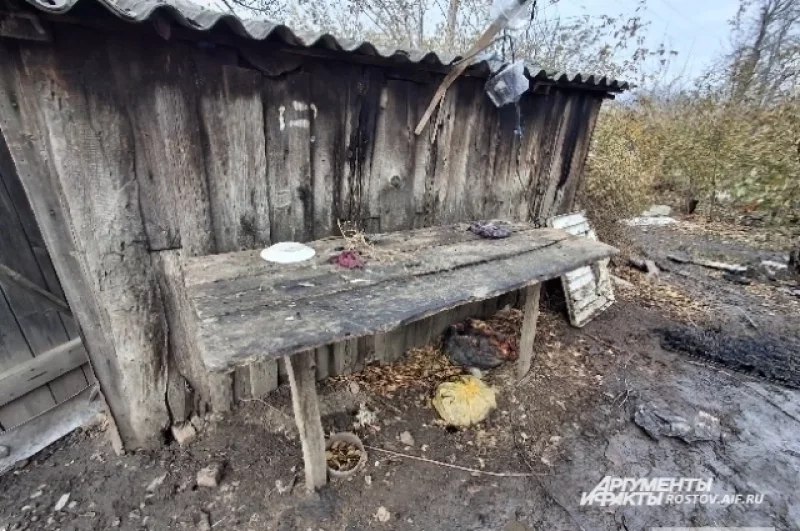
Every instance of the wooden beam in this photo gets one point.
(529, 319)
(301, 369)
(45, 367)
(47, 297)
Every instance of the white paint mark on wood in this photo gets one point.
(299, 106)
(302, 123)
(281, 119)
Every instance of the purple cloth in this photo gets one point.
(487, 229)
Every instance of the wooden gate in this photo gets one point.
(42, 359)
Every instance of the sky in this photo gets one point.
(697, 29)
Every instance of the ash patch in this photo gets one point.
(772, 358)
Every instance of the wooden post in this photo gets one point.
(301, 369)
(529, 318)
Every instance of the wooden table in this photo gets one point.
(250, 310)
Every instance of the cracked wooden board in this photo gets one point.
(263, 311)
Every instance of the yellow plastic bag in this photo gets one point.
(464, 402)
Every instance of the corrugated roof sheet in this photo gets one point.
(193, 16)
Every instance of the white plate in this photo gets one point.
(287, 253)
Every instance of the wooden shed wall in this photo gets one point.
(136, 154)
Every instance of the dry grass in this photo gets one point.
(421, 368)
(766, 238)
(356, 240)
(674, 301)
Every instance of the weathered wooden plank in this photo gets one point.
(361, 153)
(590, 311)
(390, 346)
(391, 186)
(528, 333)
(158, 87)
(501, 190)
(328, 106)
(323, 355)
(212, 389)
(424, 162)
(14, 350)
(229, 340)
(343, 357)
(232, 116)
(287, 120)
(302, 379)
(232, 123)
(583, 126)
(84, 192)
(36, 372)
(263, 378)
(581, 278)
(231, 266)
(571, 148)
(441, 152)
(568, 220)
(549, 131)
(270, 289)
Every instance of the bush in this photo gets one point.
(622, 167)
(732, 158)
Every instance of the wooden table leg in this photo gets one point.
(301, 370)
(529, 318)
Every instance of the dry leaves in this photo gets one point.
(678, 303)
(422, 368)
(342, 456)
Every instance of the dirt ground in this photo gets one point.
(570, 424)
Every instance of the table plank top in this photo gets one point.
(249, 309)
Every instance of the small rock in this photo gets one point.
(406, 438)
(657, 211)
(72, 504)
(197, 422)
(209, 476)
(204, 522)
(62, 502)
(383, 515)
(281, 488)
(156, 483)
(184, 433)
(368, 480)
(5, 451)
(354, 388)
